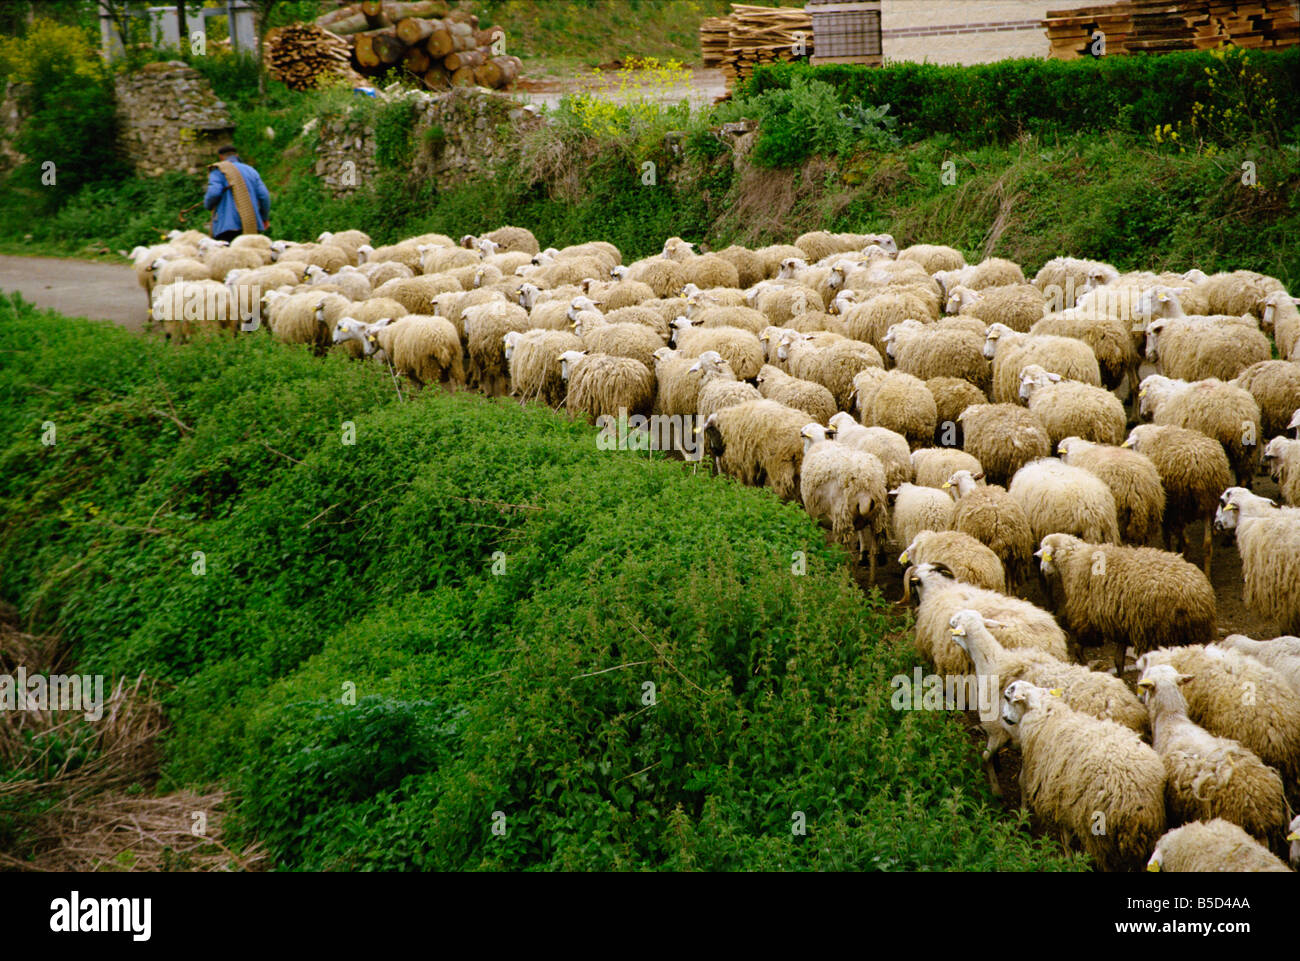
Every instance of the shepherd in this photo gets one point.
(238, 199)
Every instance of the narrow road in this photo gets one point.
(78, 288)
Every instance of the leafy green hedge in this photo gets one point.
(998, 101)
(497, 591)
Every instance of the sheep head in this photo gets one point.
(510, 340)
(1033, 377)
(568, 360)
(814, 433)
(1237, 503)
(961, 483)
(995, 333)
(1159, 684)
(965, 624)
(1053, 548)
(959, 298)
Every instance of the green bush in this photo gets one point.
(999, 101)
(456, 616)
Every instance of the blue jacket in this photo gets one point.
(221, 197)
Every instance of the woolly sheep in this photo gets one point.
(934, 465)
(933, 257)
(740, 348)
(952, 395)
(887, 445)
(677, 383)
(1217, 846)
(417, 294)
(1238, 292)
(1268, 540)
(895, 400)
(928, 351)
(1283, 318)
(967, 558)
(1067, 277)
(1275, 385)
(309, 318)
(994, 518)
(1196, 348)
(1058, 498)
(745, 318)
(1018, 306)
(641, 315)
(1216, 409)
(1109, 338)
(1003, 438)
(186, 268)
(813, 399)
(623, 340)
(1133, 480)
(1089, 692)
(1012, 352)
(664, 277)
(184, 307)
(485, 328)
(758, 442)
(424, 348)
(843, 489)
(719, 387)
(749, 266)
(351, 282)
(1282, 654)
(833, 363)
(533, 359)
(995, 272)
(781, 304)
(710, 270)
(1193, 470)
(1206, 776)
(1014, 622)
(383, 271)
(869, 321)
(601, 385)
(1068, 408)
(376, 308)
(1127, 596)
(917, 509)
(1234, 696)
(1281, 458)
(1078, 773)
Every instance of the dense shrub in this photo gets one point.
(999, 101)
(496, 592)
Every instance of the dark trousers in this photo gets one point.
(227, 235)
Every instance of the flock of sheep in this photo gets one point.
(979, 422)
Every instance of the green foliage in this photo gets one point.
(71, 121)
(999, 101)
(809, 118)
(496, 591)
(393, 126)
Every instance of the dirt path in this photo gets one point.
(78, 288)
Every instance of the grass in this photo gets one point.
(470, 640)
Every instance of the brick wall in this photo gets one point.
(964, 31)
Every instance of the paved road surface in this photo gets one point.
(78, 288)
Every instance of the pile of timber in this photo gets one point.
(442, 47)
(714, 32)
(1160, 26)
(303, 54)
(755, 35)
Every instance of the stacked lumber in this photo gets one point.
(301, 55)
(443, 48)
(714, 32)
(757, 35)
(1159, 26)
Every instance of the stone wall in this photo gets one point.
(457, 135)
(12, 116)
(170, 119)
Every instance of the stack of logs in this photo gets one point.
(303, 54)
(444, 48)
(754, 35)
(1160, 26)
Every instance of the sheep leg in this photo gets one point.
(1208, 547)
(1121, 653)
